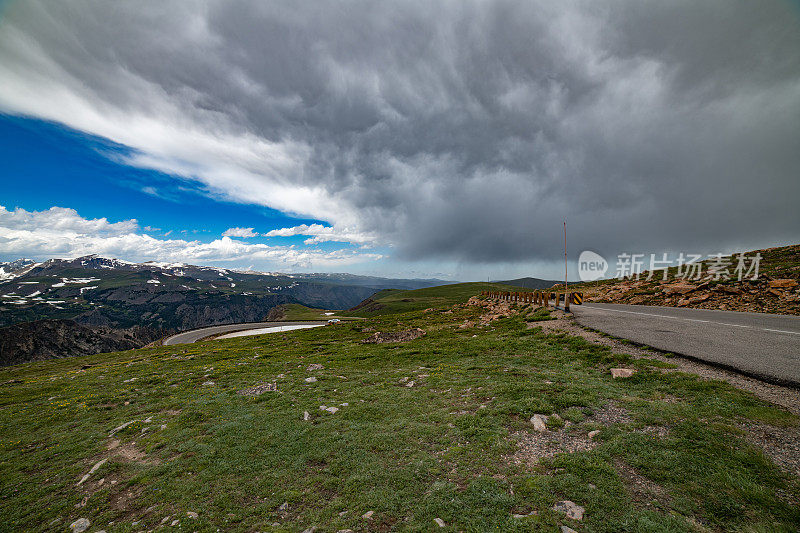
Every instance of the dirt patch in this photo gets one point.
(125, 501)
(781, 444)
(641, 489)
(129, 453)
(536, 445)
(396, 336)
(122, 498)
(654, 431)
(611, 413)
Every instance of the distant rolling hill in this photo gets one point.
(390, 301)
(530, 283)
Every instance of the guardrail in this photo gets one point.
(541, 298)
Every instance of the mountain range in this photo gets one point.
(148, 300)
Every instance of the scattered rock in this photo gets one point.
(571, 509)
(175, 522)
(120, 428)
(92, 471)
(311, 529)
(259, 389)
(398, 336)
(367, 515)
(209, 383)
(567, 529)
(192, 515)
(80, 525)
(410, 384)
(315, 366)
(329, 409)
(539, 422)
(593, 434)
(622, 372)
(306, 415)
(311, 379)
(439, 522)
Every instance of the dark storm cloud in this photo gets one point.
(459, 130)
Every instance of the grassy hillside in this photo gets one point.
(392, 301)
(435, 428)
(532, 283)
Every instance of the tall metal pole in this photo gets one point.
(566, 294)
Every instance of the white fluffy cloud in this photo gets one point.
(320, 233)
(239, 232)
(61, 232)
(62, 220)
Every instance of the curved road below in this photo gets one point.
(763, 345)
(195, 335)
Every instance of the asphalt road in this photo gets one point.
(759, 344)
(195, 335)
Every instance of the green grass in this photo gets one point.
(392, 301)
(301, 312)
(439, 449)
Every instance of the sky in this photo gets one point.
(446, 139)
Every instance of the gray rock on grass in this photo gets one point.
(569, 508)
(539, 422)
(80, 525)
